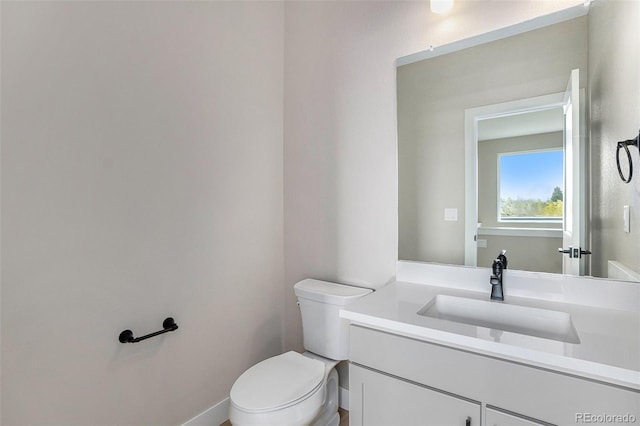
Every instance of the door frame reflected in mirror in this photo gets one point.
(472, 117)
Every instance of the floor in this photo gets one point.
(344, 418)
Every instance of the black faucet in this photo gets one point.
(498, 267)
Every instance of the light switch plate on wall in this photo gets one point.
(451, 215)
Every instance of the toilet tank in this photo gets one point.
(324, 332)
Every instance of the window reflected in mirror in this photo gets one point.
(530, 186)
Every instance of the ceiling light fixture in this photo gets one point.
(441, 6)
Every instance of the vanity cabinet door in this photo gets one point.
(380, 400)
(499, 418)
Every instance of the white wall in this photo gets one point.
(614, 90)
(142, 177)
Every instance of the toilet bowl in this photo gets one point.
(294, 389)
(291, 389)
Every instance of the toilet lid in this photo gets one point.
(277, 382)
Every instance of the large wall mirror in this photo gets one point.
(497, 150)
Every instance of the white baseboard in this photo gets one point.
(219, 413)
(344, 398)
(213, 416)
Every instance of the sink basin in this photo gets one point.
(545, 323)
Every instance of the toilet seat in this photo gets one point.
(277, 383)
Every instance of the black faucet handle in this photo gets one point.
(497, 267)
(502, 258)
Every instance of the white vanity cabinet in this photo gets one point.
(385, 400)
(396, 380)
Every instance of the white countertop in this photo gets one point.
(609, 350)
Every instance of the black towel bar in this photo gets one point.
(168, 325)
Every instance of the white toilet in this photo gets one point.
(295, 389)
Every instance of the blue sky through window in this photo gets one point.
(530, 175)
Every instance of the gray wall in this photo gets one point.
(432, 97)
(539, 254)
(141, 178)
(614, 90)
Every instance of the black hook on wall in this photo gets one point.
(167, 325)
(625, 144)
